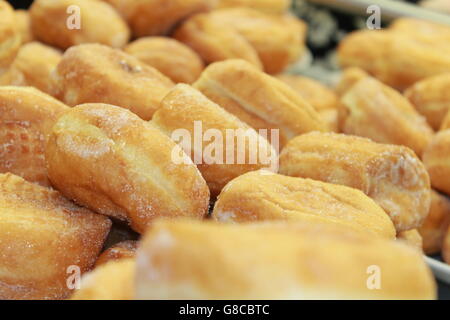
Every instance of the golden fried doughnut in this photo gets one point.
(278, 40)
(65, 23)
(192, 260)
(45, 239)
(411, 238)
(96, 73)
(111, 161)
(437, 161)
(24, 25)
(111, 281)
(158, 17)
(423, 30)
(26, 117)
(172, 58)
(393, 57)
(215, 42)
(349, 77)
(187, 109)
(10, 38)
(33, 66)
(258, 196)
(431, 97)
(373, 110)
(446, 247)
(266, 6)
(393, 176)
(121, 250)
(445, 122)
(323, 99)
(258, 99)
(433, 228)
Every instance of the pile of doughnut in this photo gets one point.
(87, 114)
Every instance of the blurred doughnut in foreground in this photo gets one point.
(119, 251)
(111, 161)
(412, 238)
(44, 240)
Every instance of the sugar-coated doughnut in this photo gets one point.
(172, 58)
(267, 6)
(258, 99)
(322, 98)
(111, 161)
(215, 42)
(111, 281)
(192, 260)
(435, 225)
(431, 97)
(393, 57)
(437, 161)
(187, 109)
(33, 66)
(24, 24)
(26, 117)
(96, 73)
(10, 38)
(119, 251)
(412, 238)
(46, 240)
(65, 23)
(285, 44)
(373, 110)
(391, 175)
(258, 196)
(158, 17)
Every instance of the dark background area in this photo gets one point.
(20, 3)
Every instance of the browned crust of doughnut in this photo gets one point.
(26, 117)
(183, 106)
(119, 251)
(437, 161)
(172, 58)
(412, 238)
(99, 23)
(258, 196)
(258, 99)
(288, 261)
(376, 111)
(393, 176)
(10, 38)
(42, 234)
(96, 73)
(106, 158)
(436, 223)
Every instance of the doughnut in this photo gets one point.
(65, 23)
(110, 281)
(286, 42)
(423, 30)
(323, 99)
(393, 57)
(412, 238)
(158, 17)
(45, 239)
(445, 122)
(192, 260)
(24, 25)
(372, 110)
(10, 38)
(437, 161)
(393, 176)
(121, 250)
(33, 66)
(109, 160)
(96, 73)
(215, 42)
(433, 228)
(431, 97)
(26, 117)
(186, 108)
(258, 99)
(348, 78)
(259, 196)
(172, 58)
(266, 6)
(446, 247)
